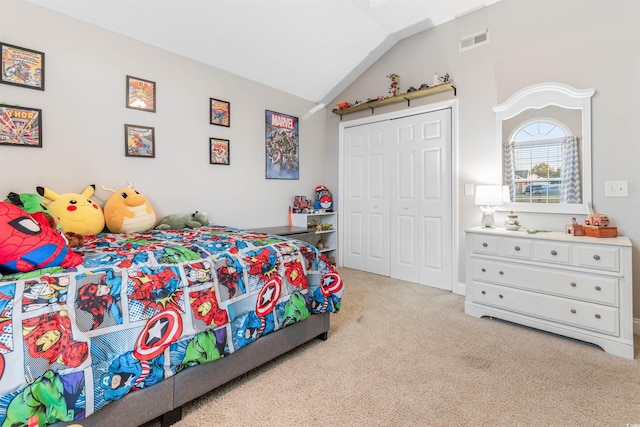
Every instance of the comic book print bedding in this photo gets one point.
(142, 307)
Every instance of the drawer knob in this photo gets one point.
(501, 273)
(554, 253)
(517, 248)
(598, 288)
(484, 292)
(596, 257)
(573, 284)
(573, 310)
(501, 296)
(485, 244)
(598, 316)
(484, 270)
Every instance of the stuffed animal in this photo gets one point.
(77, 212)
(28, 242)
(32, 203)
(128, 211)
(179, 221)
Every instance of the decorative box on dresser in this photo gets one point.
(579, 287)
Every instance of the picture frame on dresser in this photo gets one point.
(139, 141)
(22, 67)
(20, 126)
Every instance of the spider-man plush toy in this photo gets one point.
(27, 242)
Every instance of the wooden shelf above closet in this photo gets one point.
(408, 96)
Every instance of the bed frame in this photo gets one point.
(165, 399)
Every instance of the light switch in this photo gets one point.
(616, 189)
(468, 189)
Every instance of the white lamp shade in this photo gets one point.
(491, 195)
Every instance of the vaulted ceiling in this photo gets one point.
(312, 49)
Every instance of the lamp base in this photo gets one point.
(488, 221)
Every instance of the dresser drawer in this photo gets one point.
(518, 248)
(556, 252)
(579, 314)
(485, 244)
(605, 258)
(585, 287)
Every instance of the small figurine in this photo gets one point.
(423, 86)
(411, 89)
(394, 84)
(436, 79)
(343, 105)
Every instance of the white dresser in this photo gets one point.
(579, 287)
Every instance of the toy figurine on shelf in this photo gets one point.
(395, 79)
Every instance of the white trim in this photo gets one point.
(453, 105)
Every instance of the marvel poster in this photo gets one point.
(282, 146)
(22, 67)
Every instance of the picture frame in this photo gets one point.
(219, 153)
(141, 94)
(22, 67)
(20, 126)
(282, 146)
(219, 112)
(139, 141)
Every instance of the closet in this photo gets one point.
(397, 198)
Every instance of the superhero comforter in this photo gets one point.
(143, 307)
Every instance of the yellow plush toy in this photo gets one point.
(77, 212)
(128, 211)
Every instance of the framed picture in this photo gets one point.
(20, 126)
(282, 146)
(220, 112)
(22, 67)
(218, 151)
(139, 141)
(141, 94)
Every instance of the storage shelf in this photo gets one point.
(408, 96)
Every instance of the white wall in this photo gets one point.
(84, 115)
(583, 43)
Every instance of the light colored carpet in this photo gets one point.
(402, 354)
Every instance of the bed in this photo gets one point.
(150, 321)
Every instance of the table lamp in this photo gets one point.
(489, 197)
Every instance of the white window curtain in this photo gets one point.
(570, 184)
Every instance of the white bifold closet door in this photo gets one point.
(397, 218)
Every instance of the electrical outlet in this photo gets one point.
(616, 189)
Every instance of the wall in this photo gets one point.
(84, 115)
(583, 43)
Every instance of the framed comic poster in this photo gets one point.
(20, 126)
(219, 151)
(22, 67)
(220, 112)
(141, 94)
(139, 141)
(282, 144)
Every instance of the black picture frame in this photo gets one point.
(141, 94)
(219, 112)
(139, 141)
(20, 126)
(219, 151)
(22, 67)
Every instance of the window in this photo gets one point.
(537, 161)
(545, 134)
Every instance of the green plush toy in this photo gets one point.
(180, 221)
(28, 202)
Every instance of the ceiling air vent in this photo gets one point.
(474, 40)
